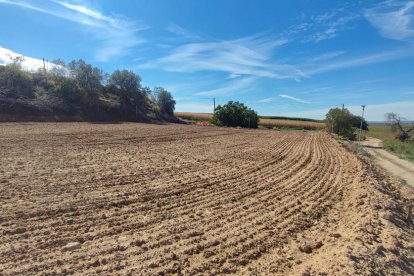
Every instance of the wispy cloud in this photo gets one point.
(268, 100)
(360, 61)
(316, 28)
(393, 20)
(329, 27)
(181, 32)
(250, 56)
(327, 56)
(238, 86)
(294, 99)
(117, 35)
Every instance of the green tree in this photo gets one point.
(165, 100)
(235, 114)
(88, 79)
(126, 81)
(356, 122)
(59, 68)
(127, 85)
(343, 122)
(17, 82)
(66, 88)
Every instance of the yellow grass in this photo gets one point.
(194, 116)
(290, 123)
(262, 122)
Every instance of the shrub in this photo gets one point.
(343, 122)
(17, 81)
(235, 114)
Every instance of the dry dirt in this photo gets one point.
(78, 198)
(389, 162)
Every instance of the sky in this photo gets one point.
(285, 58)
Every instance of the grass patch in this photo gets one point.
(404, 150)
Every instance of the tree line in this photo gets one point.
(79, 88)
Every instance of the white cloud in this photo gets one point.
(330, 28)
(180, 31)
(117, 35)
(293, 99)
(327, 56)
(393, 20)
(237, 86)
(316, 28)
(29, 63)
(268, 100)
(360, 61)
(245, 56)
(194, 107)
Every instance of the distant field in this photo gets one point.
(383, 132)
(265, 121)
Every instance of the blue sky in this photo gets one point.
(292, 58)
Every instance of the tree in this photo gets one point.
(127, 85)
(235, 114)
(396, 122)
(126, 81)
(356, 122)
(164, 100)
(59, 68)
(88, 79)
(341, 122)
(66, 88)
(19, 83)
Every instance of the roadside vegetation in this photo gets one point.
(393, 138)
(80, 91)
(345, 124)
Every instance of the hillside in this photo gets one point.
(79, 92)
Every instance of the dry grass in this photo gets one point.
(194, 116)
(280, 123)
(291, 124)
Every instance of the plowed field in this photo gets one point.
(174, 199)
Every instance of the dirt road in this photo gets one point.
(135, 199)
(389, 162)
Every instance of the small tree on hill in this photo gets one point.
(15, 80)
(165, 101)
(235, 114)
(88, 79)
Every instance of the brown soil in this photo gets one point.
(389, 162)
(137, 199)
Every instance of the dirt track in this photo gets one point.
(148, 199)
(395, 166)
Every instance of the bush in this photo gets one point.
(344, 123)
(18, 82)
(235, 114)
